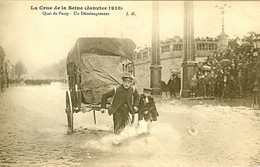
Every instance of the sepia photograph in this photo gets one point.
(129, 83)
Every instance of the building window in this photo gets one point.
(165, 48)
(177, 47)
(139, 56)
(145, 54)
(181, 47)
(198, 46)
(130, 68)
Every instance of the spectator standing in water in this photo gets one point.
(255, 95)
(173, 85)
(164, 90)
(193, 84)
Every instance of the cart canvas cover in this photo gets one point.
(99, 61)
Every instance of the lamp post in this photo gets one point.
(155, 67)
(223, 8)
(223, 37)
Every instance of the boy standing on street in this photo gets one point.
(147, 109)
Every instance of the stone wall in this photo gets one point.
(171, 58)
(142, 75)
(142, 70)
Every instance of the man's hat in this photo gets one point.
(127, 76)
(147, 90)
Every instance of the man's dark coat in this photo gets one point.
(119, 94)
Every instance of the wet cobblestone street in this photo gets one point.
(34, 132)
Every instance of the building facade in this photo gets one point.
(171, 58)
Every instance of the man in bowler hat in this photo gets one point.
(125, 100)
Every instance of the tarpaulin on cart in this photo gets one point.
(98, 75)
(121, 47)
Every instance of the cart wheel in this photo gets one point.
(69, 110)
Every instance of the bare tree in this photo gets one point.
(20, 69)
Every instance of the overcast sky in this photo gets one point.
(40, 40)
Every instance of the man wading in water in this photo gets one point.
(125, 101)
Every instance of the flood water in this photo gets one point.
(34, 132)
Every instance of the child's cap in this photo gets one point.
(147, 90)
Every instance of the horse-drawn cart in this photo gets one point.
(94, 66)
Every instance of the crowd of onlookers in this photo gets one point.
(226, 74)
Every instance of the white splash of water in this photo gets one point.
(133, 141)
(107, 142)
